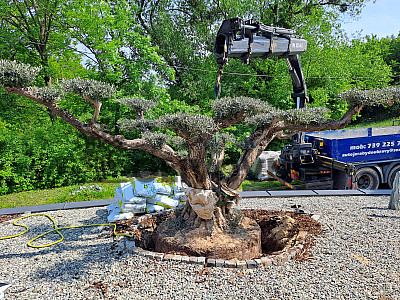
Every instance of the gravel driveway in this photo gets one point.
(356, 257)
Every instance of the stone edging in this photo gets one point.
(280, 259)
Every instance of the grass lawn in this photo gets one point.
(66, 194)
(59, 195)
(250, 185)
(382, 123)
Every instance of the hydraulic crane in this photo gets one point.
(247, 39)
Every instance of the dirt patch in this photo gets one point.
(144, 234)
(241, 241)
(303, 230)
(5, 218)
(279, 231)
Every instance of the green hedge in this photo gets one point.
(57, 155)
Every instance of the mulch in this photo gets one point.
(5, 218)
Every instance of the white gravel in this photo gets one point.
(356, 257)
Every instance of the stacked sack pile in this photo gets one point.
(145, 196)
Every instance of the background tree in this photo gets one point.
(184, 32)
(124, 44)
(118, 53)
(32, 24)
(392, 55)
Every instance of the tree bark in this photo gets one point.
(192, 219)
(211, 226)
(193, 169)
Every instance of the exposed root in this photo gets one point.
(210, 238)
(185, 211)
(220, 219)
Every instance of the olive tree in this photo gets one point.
(186, 141)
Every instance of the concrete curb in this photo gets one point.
(263, 261)
(56, 206)
(248, 194)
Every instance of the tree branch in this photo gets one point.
(334, 3)
(328, 125)
(165, 153)
(284, 135)
(97, 105)
(218, 4)
(260, 139)
(229, 121)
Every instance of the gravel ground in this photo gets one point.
(356, 257)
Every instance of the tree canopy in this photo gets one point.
(196, 130)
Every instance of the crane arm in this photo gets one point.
(246, 39)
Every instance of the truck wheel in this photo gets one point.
(367, 179)
(392, 175)
(283, 174)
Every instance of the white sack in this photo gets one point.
(113, 207)
(116, 216)
(154, 208)
(145, 187)
(180, 196)
(178, 185)
(134, 208)
(127, 190)
(118, 194)
(135, 200)
(165, 201)
(162, 189)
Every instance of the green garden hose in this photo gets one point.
(56, 229)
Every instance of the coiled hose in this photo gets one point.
(56, 229)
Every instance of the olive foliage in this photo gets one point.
(195, 133)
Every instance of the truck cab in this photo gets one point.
(362, 158)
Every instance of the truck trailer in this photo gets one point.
(362, 158)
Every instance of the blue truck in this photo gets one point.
(362, 158)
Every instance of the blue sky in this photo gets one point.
(381, 18)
